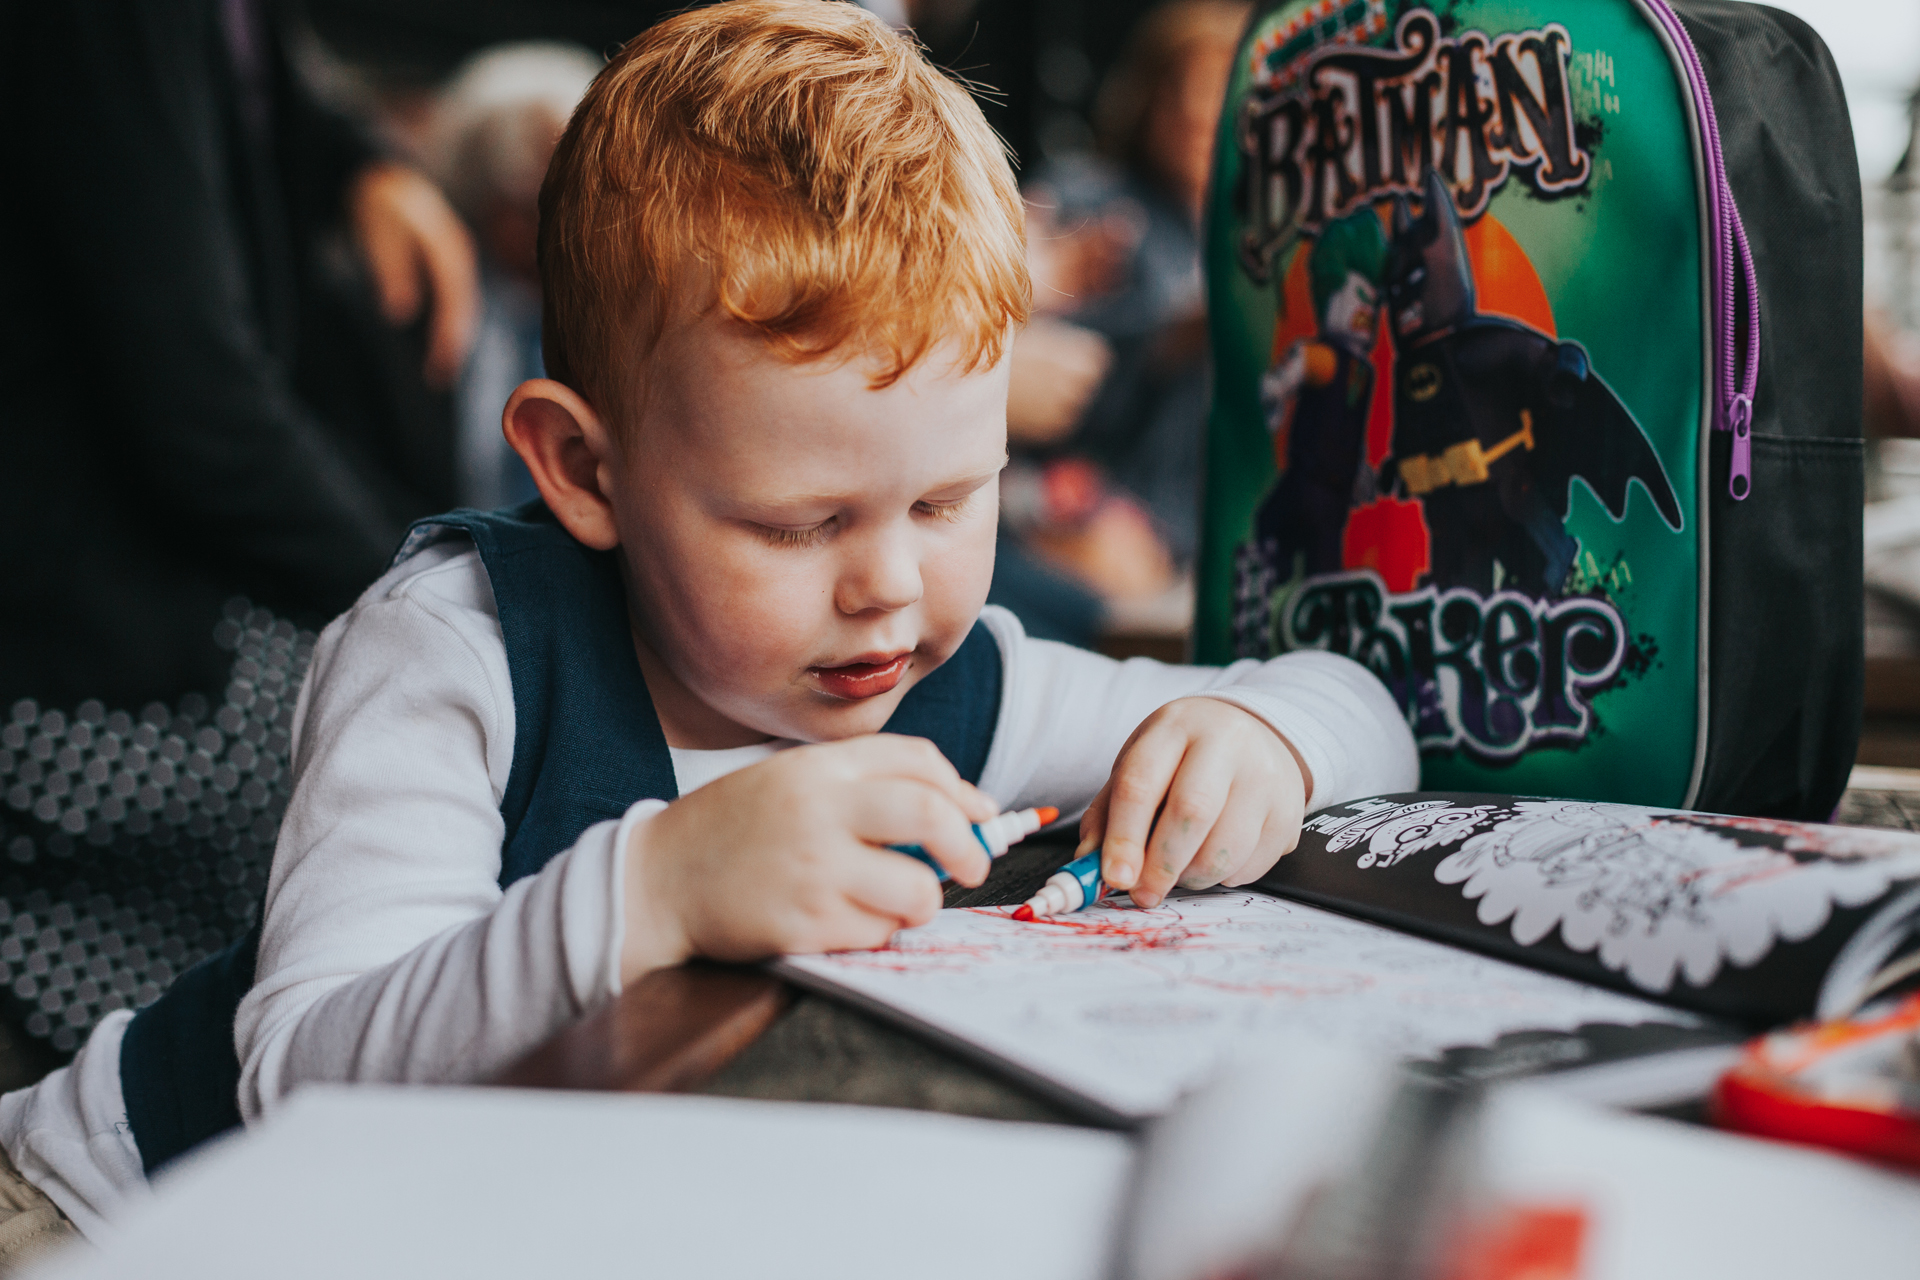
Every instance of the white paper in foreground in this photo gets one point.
(1130, 1008)
(376, 1181)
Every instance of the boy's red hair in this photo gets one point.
(800, 164)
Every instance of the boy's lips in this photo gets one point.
(868, 677)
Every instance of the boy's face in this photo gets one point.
(801, 549)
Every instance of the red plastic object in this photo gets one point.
(1830, 1084)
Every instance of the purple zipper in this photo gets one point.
(1733, 282)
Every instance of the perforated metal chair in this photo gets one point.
(137, 843)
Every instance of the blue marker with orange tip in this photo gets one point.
(996, 835)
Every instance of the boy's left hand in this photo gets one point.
(1229, 793)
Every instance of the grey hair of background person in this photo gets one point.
(496, 120)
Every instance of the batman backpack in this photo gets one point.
(1536, 330)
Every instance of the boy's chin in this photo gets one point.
(829, 719)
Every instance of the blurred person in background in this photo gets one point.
(225, 319)
(1892, 378)
(493, 130)
(228, 324)
(1107, 403)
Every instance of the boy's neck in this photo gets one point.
(687, 722)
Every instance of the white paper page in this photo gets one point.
(374, 1181)
(1128, 1008)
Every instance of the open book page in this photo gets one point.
(1127, 1008)
(1741, 917)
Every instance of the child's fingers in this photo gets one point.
(893, 888)
(1193, 805)
(1134, 792)
(1093, 826)
(909, 811)
(896, 755)
(1286, 813)
(851, 928)
(1233, 844)
(1267, 848)
(1284, 803)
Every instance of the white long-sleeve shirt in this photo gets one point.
(389, 951)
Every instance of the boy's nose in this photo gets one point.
(883, 573)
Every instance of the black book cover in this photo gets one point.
(1758, 920)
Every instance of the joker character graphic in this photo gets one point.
(1316, 399)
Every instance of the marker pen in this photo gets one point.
(1072, 887)
(996, 835)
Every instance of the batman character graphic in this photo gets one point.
(1492, 421)
(1316, 400)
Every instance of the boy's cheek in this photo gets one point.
(957, 577)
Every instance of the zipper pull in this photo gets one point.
(1740, 473)
(1740, 412)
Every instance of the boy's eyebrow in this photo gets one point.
(972, 479)
(977, 478)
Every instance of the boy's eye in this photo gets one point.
(812, 535)
(944, 510)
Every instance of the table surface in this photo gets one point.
(738, 1031)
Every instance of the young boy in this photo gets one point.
(555, 749)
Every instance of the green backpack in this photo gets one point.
(1513, 406)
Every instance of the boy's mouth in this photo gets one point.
(868, 677)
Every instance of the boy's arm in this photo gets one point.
(1065, 714)
(389, 951)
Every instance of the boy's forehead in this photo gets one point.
(715, 387)
(714, 360)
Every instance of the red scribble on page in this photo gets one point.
(1136, 929)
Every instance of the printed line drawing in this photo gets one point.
(1130, 1007)
(1657, 893)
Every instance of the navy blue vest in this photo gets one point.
(587, 745)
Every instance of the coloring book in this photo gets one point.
(1420, 924)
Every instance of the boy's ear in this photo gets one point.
(570, 454)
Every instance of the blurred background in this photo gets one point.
(1109, 110)
(1876, 44)
(279, 279)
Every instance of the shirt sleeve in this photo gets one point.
(1065, 713)
(389, 951)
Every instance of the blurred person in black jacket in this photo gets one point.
(185, 413)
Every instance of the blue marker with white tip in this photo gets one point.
(1076, 885)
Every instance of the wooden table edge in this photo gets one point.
(669, 1032)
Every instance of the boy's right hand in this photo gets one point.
(787, 856)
